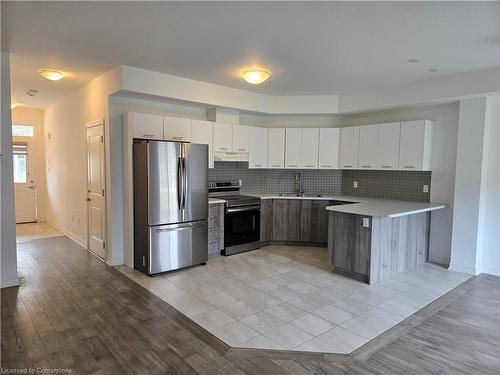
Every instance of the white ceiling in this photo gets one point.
(311, 48)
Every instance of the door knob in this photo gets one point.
(88, 199)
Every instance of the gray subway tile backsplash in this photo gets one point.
(401, 185)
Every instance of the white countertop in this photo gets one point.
(368, 206)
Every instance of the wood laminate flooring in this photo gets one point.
(74, 312)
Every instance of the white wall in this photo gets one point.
(34, 117)
(66, 158)
(468, 185)
(7, 217)
(488, 259)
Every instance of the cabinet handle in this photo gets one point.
(178, 137)
(257, 165)
(242, 149)
(223, 148)
(292, 165)
(148, 135)
(326, 166)
(386, 166)
(347, 166)
(409, 166)
(366, 166)
(310, 166)
(276, 166)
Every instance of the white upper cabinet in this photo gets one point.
(329, 148)
(415, 146)
(388, 147)
(223, 137)
(201, 133)
(146, 126)
(293, 148)
(258, 147)
(310, 148)
(368, 146)
(349, 146)
(176, 129)
(241, 135)
(276, 148)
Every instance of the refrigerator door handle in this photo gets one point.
(177, 227)
(179, 182)
(185, 183)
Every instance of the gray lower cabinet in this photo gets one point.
(266, 220)
(351, 244)
(314, 221)
(294, 220)
(215, 229)
(379, 249)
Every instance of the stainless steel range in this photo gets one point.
(241, 217)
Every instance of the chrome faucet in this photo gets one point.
(298, 183)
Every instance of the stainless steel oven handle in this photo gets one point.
(242, 209)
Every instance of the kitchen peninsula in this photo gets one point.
(372, 240)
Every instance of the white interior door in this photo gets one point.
(96, 192)
(24, 181)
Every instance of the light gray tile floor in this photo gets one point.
(287, 298)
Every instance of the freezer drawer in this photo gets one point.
(176, 246)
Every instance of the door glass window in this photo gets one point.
(20, 162)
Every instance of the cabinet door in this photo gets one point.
(201, 133)
(314, 221)
(368, 146)
(223, 137)
(176, 129)
(349, 145)
(276, 149)
(241, 135)
(266, 220)
(329, 148)
(147, 126)
(388, 146)
(257, 148)
(293, 148)
(415, 145)
(286, 220)
(310, 148)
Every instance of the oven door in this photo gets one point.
(241, 225)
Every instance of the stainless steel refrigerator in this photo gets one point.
(170, 205)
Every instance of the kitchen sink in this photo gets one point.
(300, 195)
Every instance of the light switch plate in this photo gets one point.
(425, 188)
(366, 222)
(355, 184)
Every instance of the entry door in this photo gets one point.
(95, 189)
(25, 187)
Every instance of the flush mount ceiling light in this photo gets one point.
(413, 61)
(256, 76)
(51, 74)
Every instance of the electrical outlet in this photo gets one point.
(425, 188)
(355, 184)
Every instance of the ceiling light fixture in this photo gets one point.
(51, 74)
(13, 105)
(256, 76)
(433, 70)
(413, 61)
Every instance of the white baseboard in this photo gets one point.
(490, 271)
(469, 270)
(69, 234)
(7, 283)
